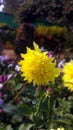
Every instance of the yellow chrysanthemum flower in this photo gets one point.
(37, 67)
(68, 75)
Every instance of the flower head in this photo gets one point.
(60, 128)
(50, 54)
(1, 111)
(36, 67)
(1, 101)
(17, 68)
(68, 75)
(1, 86)
(61, 64)
(4, 58)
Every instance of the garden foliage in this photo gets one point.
(24, 106)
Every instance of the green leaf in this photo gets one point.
(44, 104)
(12, 81)
(26, 126)
(25, 110)
(2, 126)
(9, 127)
(64, 121)
(8, 108)
(16, 118)
(18, 86)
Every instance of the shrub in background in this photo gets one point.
(24, 37)
(53, 37)
(7, 35)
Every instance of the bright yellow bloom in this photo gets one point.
(68, 75)
(37, 67)
(60, 128)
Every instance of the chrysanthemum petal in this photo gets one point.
(36, 47)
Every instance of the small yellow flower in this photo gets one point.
(68, 75)
(60, 128)
(37, 67)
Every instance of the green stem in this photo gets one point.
(18, 94)
(38, 107)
